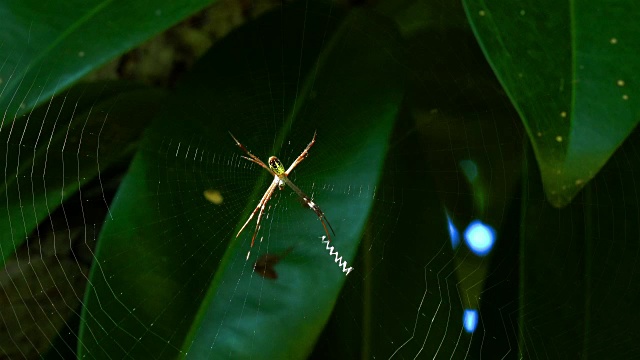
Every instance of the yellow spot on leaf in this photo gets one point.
(563, 114)
(213, 196)
(482, 13)
(620, 83)
(559, 138)
(613, 41)
(625, 97)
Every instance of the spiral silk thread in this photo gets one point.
(338, 259)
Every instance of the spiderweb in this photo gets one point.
(428, 198)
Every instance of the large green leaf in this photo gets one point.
(273, 83)
(64, 144)
(579, 266)
(569, 69)
(45, 46)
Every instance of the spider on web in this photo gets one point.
(280, 179)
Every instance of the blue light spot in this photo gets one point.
(470, 320)
(454, 235)
(480, 237)
(469, 169)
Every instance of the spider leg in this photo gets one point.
(302, 156)
(263, 201)
(251, 157)
(323, 219)
(268, 194)
(313, 206)
(257, 162)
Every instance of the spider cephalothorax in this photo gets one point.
(276, 165)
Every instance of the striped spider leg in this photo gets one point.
(280, 179)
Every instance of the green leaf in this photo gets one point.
(579, 265)
(64, 144)
(569, 69)
(272, 83)
(48, 45)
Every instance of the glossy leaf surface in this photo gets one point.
(45, 46)
(569, 69)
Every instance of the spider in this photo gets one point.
(280, 179)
